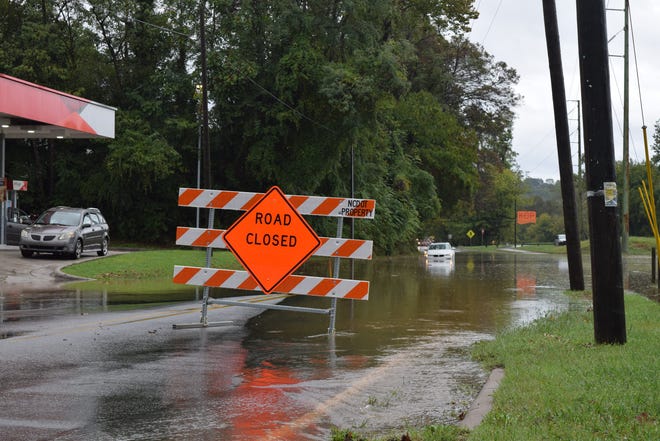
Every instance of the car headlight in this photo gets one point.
(25, 234)
(66, 235)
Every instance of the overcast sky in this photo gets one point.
(513, 32)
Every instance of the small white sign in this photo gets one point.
(609, 190)
(20, 185)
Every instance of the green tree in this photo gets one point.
(496, 200)
(439, 145)
(137, 181)
(545, 229)
(297, 87)
(298, 90)
(147, 55)
(655, 147)
(50, 46)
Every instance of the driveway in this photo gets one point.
(38, 272)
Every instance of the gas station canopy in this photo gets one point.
(28, 110)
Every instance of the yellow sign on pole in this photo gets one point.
(470, 234)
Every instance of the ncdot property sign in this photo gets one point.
(271, 240)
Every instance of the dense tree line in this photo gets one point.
(297, 89)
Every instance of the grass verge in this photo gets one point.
(637, 246)
(152, 264)
(139, 277)
(559, 385)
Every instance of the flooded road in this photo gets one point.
(74, 369)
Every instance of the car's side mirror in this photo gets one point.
(86, 225)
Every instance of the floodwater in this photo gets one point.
(400, 359)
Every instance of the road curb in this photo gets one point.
(484, 401)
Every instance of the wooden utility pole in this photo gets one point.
(573, 252)
(606, 265)
(625, 230)
(581, 201)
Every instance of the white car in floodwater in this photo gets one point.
(440, 252)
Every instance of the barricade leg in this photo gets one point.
(203, 321)
(333, 304)
(209, 254)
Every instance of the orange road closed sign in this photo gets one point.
(271, 240)
(526, 217)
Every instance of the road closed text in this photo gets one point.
(267, 239)
(273, 240)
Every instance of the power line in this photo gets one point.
(490, 25)
(172, 31)
(639, 87)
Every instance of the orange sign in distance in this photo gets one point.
(271, 240)
(526, 217)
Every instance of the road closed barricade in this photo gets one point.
(271, 240)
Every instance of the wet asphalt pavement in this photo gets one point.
(59, 374)
(39, 272)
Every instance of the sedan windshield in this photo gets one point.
(66, 218)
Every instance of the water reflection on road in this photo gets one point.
(399, 359)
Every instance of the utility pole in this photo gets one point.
(606, 265)
(579, 131)
(625, 230)
(206, 148)
(580, 182)
(573, 252)
(515, 224)
(625, 194)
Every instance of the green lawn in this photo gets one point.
(152, 264)
(138, 277)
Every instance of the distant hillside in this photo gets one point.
(542, 196)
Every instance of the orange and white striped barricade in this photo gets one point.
(250, 230)
(308, 205)
(330, 246)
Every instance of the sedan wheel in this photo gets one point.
(77, 252)
(104, 248)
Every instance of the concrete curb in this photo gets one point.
(484, 401)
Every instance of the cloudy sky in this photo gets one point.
(513, 32)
